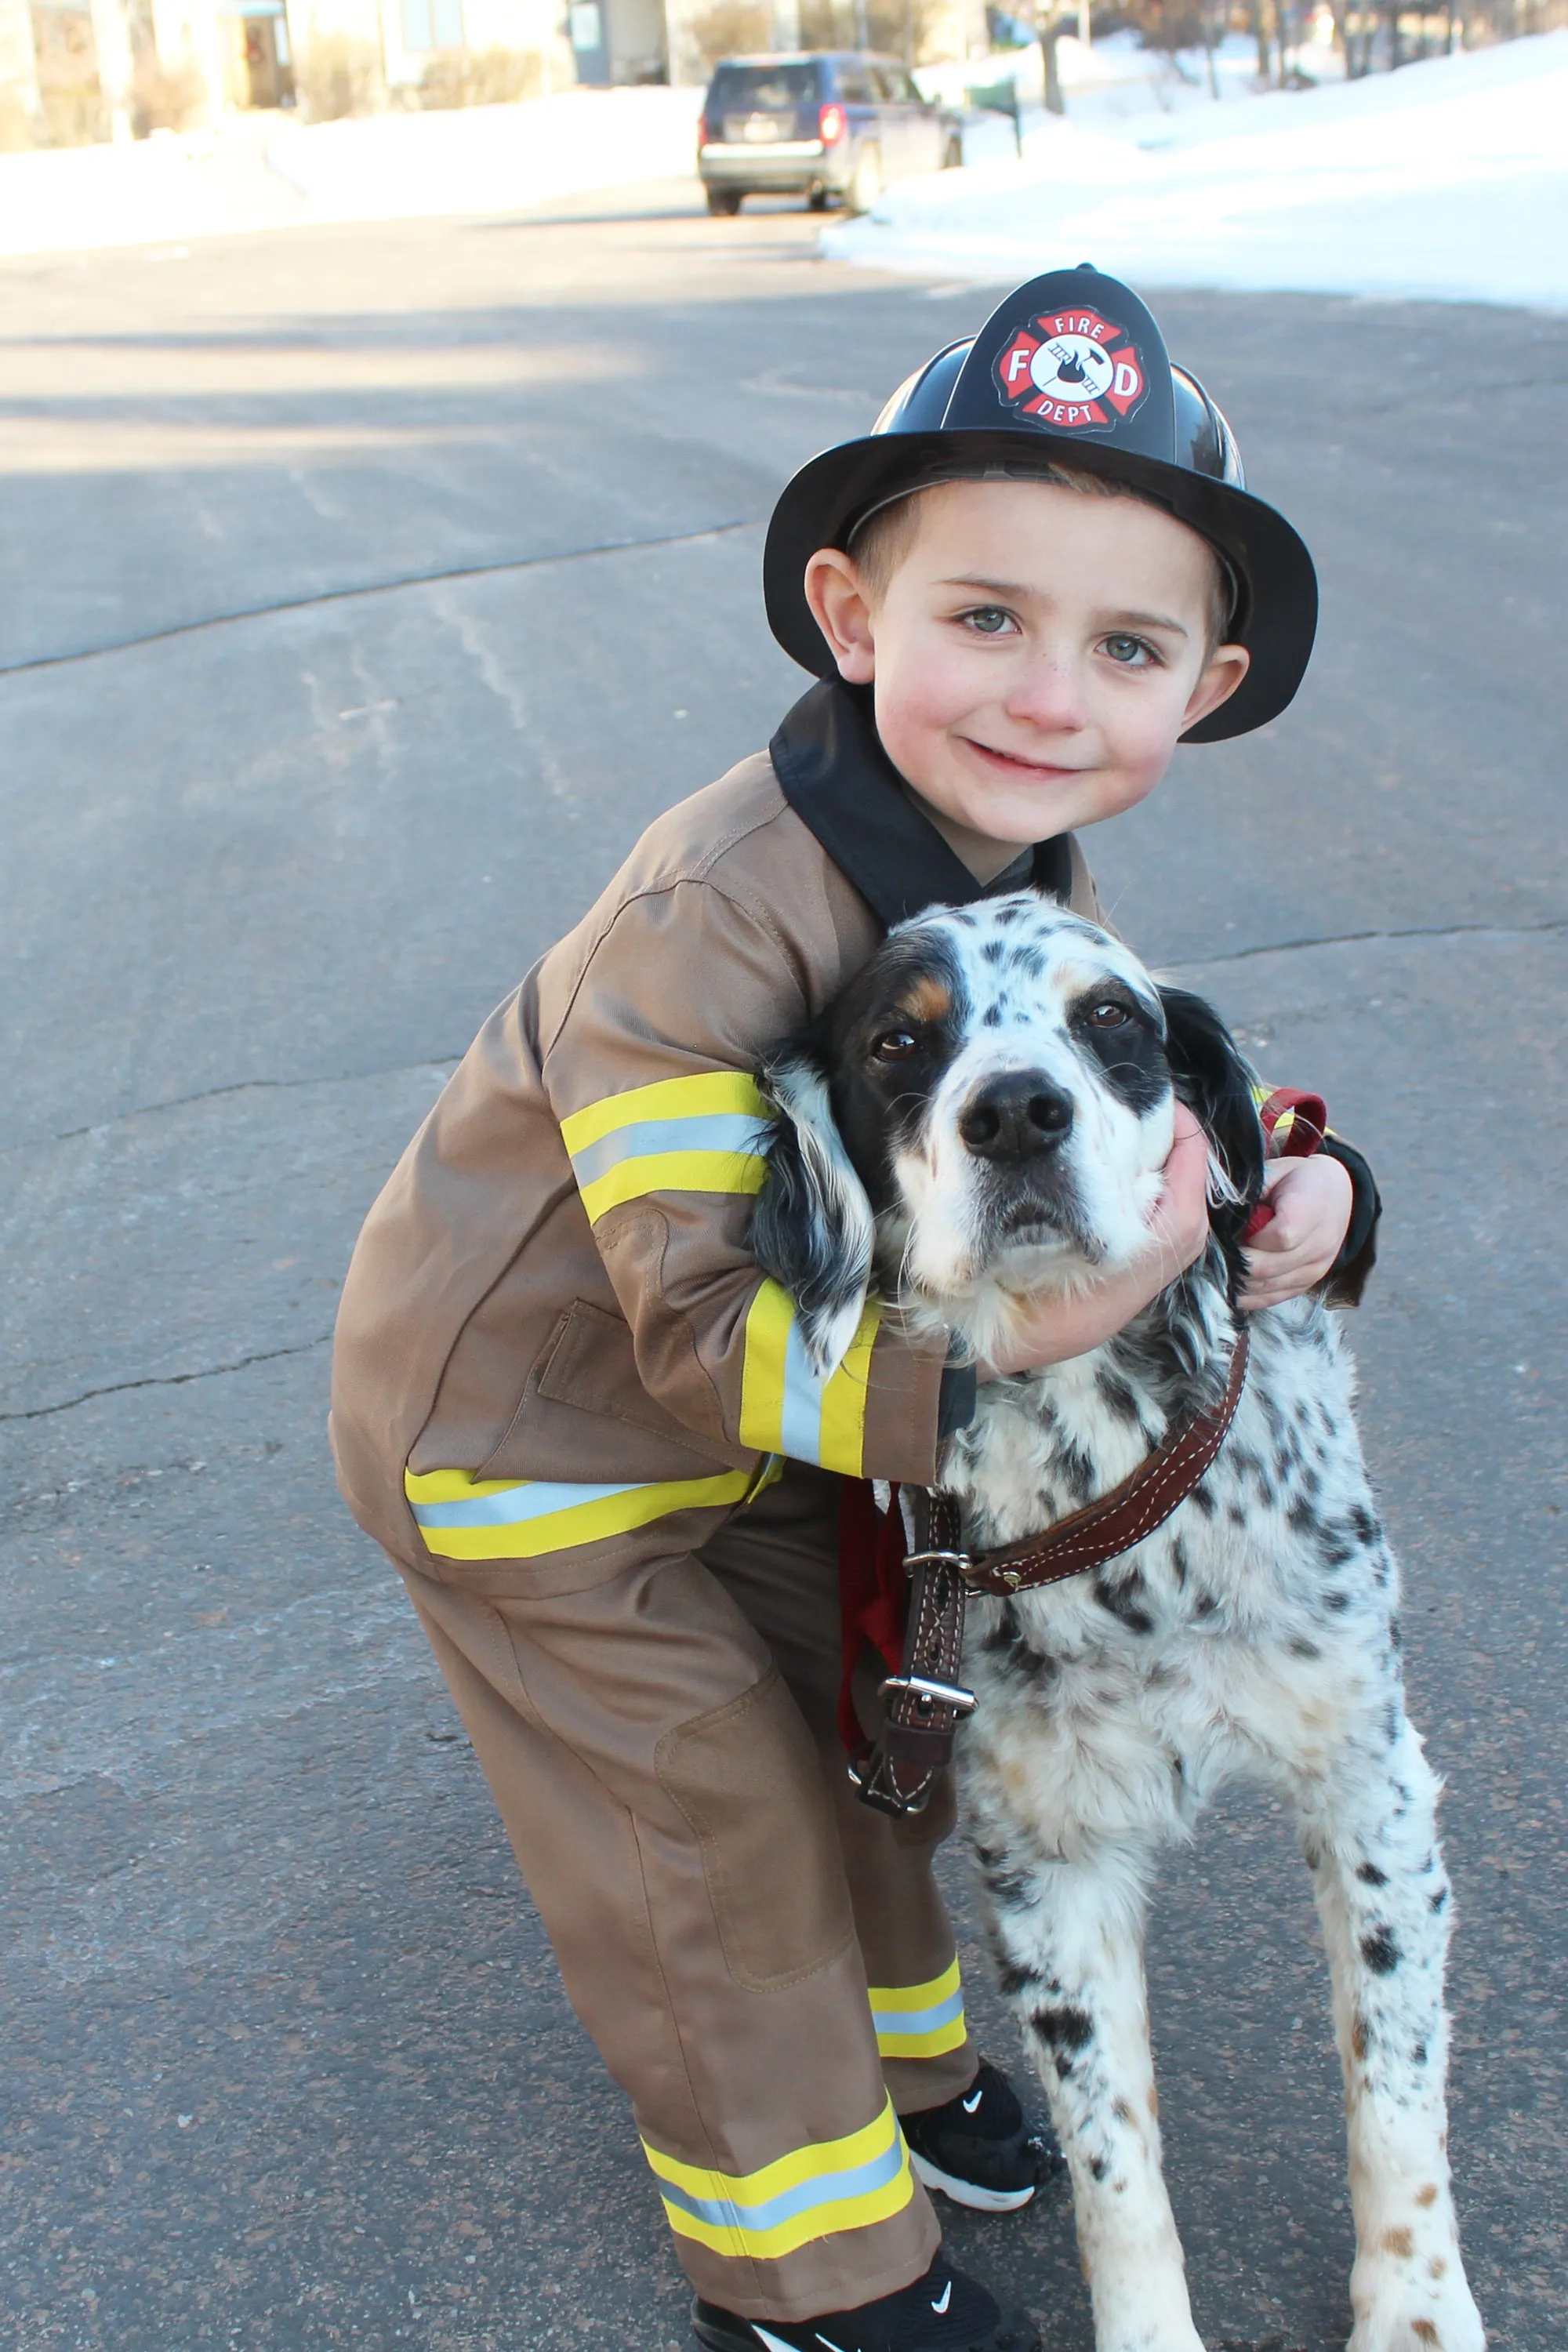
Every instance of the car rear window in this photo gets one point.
(762, 89)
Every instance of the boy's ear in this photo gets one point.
(811, 1228)
(1224, 672)
(842, 611)
(1211, 1078)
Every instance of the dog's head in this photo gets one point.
(985, 1112)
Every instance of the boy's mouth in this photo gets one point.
(1013, 763)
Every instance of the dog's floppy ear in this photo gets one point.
(1216, 1084)
(811, 1228)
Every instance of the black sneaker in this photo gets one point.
(943, 2312)
(981, 2148)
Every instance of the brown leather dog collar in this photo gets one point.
(1102, 1530)
(923, 1705)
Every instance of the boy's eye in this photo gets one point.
(989, 620)
(1133, 653)
(896, 1045)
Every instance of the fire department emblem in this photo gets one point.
(1072, 370)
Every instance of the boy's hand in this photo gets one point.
(1311, 1200)
(1055, 1329)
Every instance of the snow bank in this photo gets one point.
(488, 159)
(1446, 181)
(263, 172)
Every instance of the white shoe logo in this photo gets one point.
(969, 2105)
(945, 2298)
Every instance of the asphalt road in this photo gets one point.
(366, 591)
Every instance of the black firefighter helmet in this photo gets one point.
(1070, 370)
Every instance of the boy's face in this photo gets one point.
(1036, 653)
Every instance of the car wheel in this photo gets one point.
(866, 185)
(725, 201)
(952, 160)
(818, 200)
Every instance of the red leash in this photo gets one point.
(1309, 1125)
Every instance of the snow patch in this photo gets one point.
(1446, 181)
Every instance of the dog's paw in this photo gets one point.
(1431, 2314)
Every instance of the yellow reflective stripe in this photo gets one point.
(769, 1322)
(673, 1171)
(920, 1996)
(786, 1406)
(828, 2185)
(844, 1405)
(920, 2021)
(539, 1528)
(698, 1097)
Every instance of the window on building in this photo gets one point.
(433, 24)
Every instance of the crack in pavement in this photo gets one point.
(234, 1087)
(167, 1380)
(1352, 939)
(374, 588)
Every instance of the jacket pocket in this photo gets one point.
(583, 1378)
(747, 1781)
(589, 1363)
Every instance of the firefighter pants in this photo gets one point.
(764, 1963)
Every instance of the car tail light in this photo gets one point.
(703, 135)
(830, 125)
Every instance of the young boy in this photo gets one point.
(564, 1389)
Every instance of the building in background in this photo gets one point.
(72, 70)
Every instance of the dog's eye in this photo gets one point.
(896, 1045)
(1109, 1015)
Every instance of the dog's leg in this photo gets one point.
(1382, 1895)
(1069, 1940)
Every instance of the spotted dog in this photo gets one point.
(985, 1113)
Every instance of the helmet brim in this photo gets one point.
(1277, 615)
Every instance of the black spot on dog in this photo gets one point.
(1179, 1562)
(1202, 1500)
(1076, 1471)
(1065, 2029)
(1121, 1600)
(1370, 1874)
(1336, 1600)
(1236, 1514)
(1115, 1395)
(1014, 1977)
(1380, 1951)
(1391, 1721)
(1365, 1525)
(1300, 1648)
(1395, 1635)
(993, 950)
(1418, 2054)
(1301, 1518)
(1100, 2166)
(1435, 1902)
(992, 1017)
(1205, 1604)
(1008, 916)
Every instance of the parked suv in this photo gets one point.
(833, 126)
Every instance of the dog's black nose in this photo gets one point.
(1016, 1117)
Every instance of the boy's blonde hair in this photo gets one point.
(880, 543)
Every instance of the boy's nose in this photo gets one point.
(1048, 695)
(1016, 1117)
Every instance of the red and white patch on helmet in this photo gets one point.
(1071, 370)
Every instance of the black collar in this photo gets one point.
(841, 783)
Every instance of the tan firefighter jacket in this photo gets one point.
(551, 1329)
